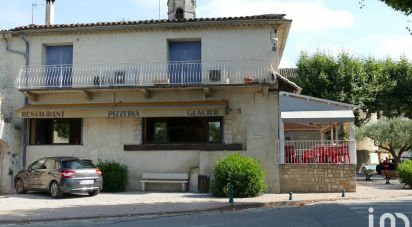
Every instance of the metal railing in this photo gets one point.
(187, 73)
(316, 151)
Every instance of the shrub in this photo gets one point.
(115, 176)
(405, 172)
(244, 173)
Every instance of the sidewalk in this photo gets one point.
(39, 206)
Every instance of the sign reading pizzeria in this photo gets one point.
(116, 113)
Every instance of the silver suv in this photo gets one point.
(60, 175)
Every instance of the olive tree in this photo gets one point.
(393, 135)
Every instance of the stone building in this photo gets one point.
(172, 96)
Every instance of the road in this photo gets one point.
(344, 213)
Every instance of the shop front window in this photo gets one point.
(183, 130)
(55, 131)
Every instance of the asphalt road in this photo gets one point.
(344, 213)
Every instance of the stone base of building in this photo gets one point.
(317, 178)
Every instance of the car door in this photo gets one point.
(46, 174)
(34, 174)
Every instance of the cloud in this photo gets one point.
(390, 45)
(287, 63)
(308, 16)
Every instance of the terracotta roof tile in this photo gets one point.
(163, 21)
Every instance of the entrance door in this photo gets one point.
(59, 60)
(185, 62)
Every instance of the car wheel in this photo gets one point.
(55, 191)
(93, 193)
(19, 186)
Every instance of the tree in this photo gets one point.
(393, 135)
(374, 86)
(405, 6)
(344, 79)
(396, 100)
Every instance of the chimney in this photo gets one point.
(50, 12)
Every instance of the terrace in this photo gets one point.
(312, 131)
(155, 74)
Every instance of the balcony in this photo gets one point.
(316, 152)
(176, 74)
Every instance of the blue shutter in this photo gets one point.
(59, 60)
(185, 62)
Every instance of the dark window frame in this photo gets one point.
(147, 141)
(33, 132)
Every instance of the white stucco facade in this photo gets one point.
(251, 117)
(104, 138)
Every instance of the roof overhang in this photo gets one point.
(318, 116)
(305, 109)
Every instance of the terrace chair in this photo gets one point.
(344, 152)
(290, 154)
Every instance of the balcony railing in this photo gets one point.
(316, 151)
(144, 74)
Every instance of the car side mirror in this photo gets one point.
(43, 166)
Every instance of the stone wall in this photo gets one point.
(317, 178)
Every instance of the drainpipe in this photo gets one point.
(26, 55)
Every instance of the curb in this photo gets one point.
(223, 208)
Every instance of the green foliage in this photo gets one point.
(62, 128)
(115, 176)
(396, 100)
(405, 172)
(393, 135)
(405, 6)
(375, 86)
(244, 173)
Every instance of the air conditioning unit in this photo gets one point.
(119, 77)
(215, 75)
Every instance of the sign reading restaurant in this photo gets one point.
(42, 114)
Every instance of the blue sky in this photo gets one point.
(328, 25)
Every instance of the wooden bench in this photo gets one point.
(390, 174)
(169, 178)
(368, 172)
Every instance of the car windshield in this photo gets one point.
(77, 164)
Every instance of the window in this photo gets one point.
(183, 130)
(180, 14)
(185, 62)
(50, 164)
(77, 164)
(37, 165)
(55, 131)
(59, 60)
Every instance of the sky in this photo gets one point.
(318, 25)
